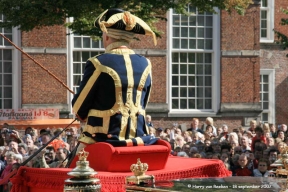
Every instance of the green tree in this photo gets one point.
(30, 14)
(282, 38)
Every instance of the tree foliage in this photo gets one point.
(282, 38)
(30, 14)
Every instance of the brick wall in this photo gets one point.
(240, 74)
(159, 86)
(38, 87)
(52, 37)
(240, 80)
(240, 32)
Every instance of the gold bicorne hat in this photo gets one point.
(123, 20)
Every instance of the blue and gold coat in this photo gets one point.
(112, 97)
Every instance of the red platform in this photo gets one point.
(48, 180)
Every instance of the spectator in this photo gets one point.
(266, 129)
(179, 141)
(273, 130)
(176, 151)
(226, 148)
(233, 137)
(56, 143)
(270, 142)
(262, 170)
(61, 155)
(13, 146)
(187, 136)
(243, 169)
(281, 146)
(72, 135)
(195, 137)
(152, 131)
(238, 150)
(241, 130)
(149, 121)
(10, 160)
(209, 121)
(31, 146)
(23, 149)
(59, 142)
(283, 127)
(33, 132)
(216, 147)
(225, 134)
(253, 124)
(225, 157)
(245, 143)
(281, 135)
(209, 131)
(186, 148)
(258, 154)
(201, 149)
(219, 131)
(193, 151)
(258, 136)
(273, 155)
(195, 126)
(234, 164)
(207, 142)
(159, 132)
(50, 155)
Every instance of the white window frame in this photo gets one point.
(16, 68)
(271, 110)
(270, 21)
(16, 71)
(215, 72)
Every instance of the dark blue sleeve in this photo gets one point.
(86, 105)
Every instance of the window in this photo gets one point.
(9, 70)
(194, 62)
(84, 48)
(267, 100)
(267, 21)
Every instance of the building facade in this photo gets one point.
(224, 66)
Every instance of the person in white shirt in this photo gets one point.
(262, 170)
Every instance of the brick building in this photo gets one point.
(225, 66)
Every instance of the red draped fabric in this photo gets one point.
(44, 180)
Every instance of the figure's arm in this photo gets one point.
(82, 102)
(149, 82)
(42, 161)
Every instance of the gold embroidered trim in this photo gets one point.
(141, 85)
(129, 142)
(87, 140)
(139, 141)
(85, 91)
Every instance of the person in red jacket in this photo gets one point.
(243, 170)
(259, 136)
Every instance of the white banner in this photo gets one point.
(23, 114)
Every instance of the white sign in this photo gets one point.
(23, 114)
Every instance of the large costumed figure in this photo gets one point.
(116, 85)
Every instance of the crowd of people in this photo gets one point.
(244, 151)
(17, 147)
